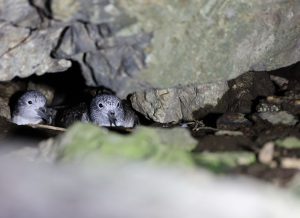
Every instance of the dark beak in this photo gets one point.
(112, 118)
(45, 114)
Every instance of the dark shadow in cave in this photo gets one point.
(69, 85)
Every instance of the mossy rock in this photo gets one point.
(154, 145)
(289, 142)
(221, 161)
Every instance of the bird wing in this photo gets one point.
(68, 116)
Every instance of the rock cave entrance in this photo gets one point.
(257, 107)
(248, 95)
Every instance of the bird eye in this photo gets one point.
(29, 102)
(118, 105)
(100, 105)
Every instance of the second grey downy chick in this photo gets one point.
(31, 108)
(104, 110)
(109, 110)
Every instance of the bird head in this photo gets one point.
(31, 106)
(106, 110)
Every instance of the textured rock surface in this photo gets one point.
(94, 11)
(101, 40)
(246, 88)
(176, 104)
(28, 35)
(116, 64)
(281, 117)
(194, 41)
(19, 13)
(7, 90)
(201, 41)
(24, 52)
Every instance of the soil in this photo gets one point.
(257, 132)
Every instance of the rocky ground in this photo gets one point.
(257, 135)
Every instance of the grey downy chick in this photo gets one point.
(31, 108)
(109, 110)
(104, 110)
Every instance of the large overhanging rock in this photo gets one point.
(193, 42)
(110, 53)
(91, 11)
(26, 42)
(24, 52)
(31, 30)
(19, 13)
(130, 45)
(203, 41)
